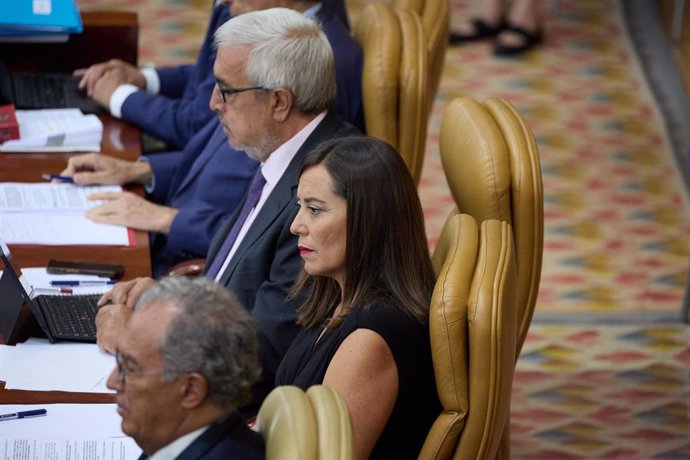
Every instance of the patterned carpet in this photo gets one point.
(617, 228)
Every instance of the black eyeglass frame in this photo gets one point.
(122, 371)
(225, 91)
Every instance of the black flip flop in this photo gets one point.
(530, 40)
(482, 29)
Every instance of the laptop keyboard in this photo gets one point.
(71, 317)
(40, 91)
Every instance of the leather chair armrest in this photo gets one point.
(192, 267)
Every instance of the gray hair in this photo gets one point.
(289, 51)
(213, 335)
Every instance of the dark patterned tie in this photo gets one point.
(253, 196)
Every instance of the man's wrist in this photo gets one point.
(140, 172)
(167, 216)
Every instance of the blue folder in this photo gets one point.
(21, 17)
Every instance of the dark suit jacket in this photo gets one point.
(230, 439)
(204, 182)
(181, 109)
(267, 260)
(349, 60)
(337, 7)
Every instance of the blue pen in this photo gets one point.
(81, 283)
(24, 414)
(65, 179)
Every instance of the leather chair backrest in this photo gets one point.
(413, 111)
(473, 336)
(491, 163)
(333, 421)
(378, 33)
(395, 80)
(435, 17)
(288, 425)
(306, 426)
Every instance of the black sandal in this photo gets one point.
(530, 40)
(482, 29)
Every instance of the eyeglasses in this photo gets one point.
(122, 370)
(224, 90)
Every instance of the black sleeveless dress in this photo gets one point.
(417, 405)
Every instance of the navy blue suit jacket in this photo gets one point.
(204, 182)
(229, 439)
(348, 60)
(267, 260)
(181, 108)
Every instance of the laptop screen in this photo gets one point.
(13, 294)
(11, 301)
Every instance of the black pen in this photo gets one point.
(24, 414)
(65, 179)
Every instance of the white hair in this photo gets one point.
(288, 50)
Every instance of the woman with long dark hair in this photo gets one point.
(368, 278)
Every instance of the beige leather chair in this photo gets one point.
(473, 331)
(335, 439)
(492, 166)
(435, 19)
(309, 426)
(395, 80)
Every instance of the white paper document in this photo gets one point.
(28, 197)
(59, 229)
(36, 281)
(66, 432)
(38, 365)
(53, 214)
(41, 130)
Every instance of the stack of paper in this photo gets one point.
(53, 214)
(56, 130)
(39, 20)
(66, 432)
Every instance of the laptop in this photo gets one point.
(27, 90)
(61, 317)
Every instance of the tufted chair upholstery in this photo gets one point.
(395, 80)
(491, 163)
(435, 19)
(333, 422)
(309, 426)
(473, 328)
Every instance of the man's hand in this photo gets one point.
(106, 85)
(126, 73)
(110, 323)
(132, 211)
(93, 168)
(127, 292)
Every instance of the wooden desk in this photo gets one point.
(51, 397)
(119, 139)
(101, 32)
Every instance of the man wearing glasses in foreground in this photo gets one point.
(185, 362)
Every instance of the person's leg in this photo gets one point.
(487, 23)
(524, 29)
